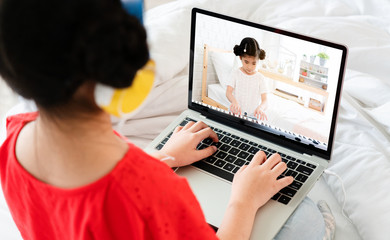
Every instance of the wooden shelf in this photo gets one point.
(287, 80)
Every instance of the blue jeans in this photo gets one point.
(305, 223)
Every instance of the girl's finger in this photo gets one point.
(178, 129)
(188, 125)
(207, 133)
(279, 168)
(258, 159)
(206, 152)
(272, 161)
(242, 169)
(284, 182)
(198, 126)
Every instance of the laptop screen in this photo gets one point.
(273, 80)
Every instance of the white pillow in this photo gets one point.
(223, 62)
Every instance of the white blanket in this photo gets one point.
(361, 155)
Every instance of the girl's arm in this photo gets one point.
(264, 101)
(253, 185)
(260, 110)
(234, 106)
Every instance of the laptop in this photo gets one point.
(304, 94)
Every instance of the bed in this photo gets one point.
(359, 195)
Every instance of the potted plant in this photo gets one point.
(323, 57)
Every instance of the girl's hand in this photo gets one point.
(235, 108)
(254, 184)
(180, 149)
(260, 114)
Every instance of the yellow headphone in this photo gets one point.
(121, 102)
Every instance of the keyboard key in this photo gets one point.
(215, 170)
(235, 169)
(207, 141)
(268, 154)
(217, 144)
(229, 167)
(219, 163)
(302, 178)
(239, 162)
(250, 157)
(244, 140)
(284, 199)
(235, 137)
(202, 146)
(300, 161)
(292, 165)
(288, 191)
(226, 140)
(234, 151)
(225, 147)
(230, 158)
(295, 185)
(243, 155)
(291, 173)
(276, 196)
(311, 165)
(159, 146)
(235, 143)
(304, 170)
(165, 141)
(253, 150)
(244, 146)
(221, 155)
(183, 123)
(211, 159)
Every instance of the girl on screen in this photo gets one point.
(247, 91)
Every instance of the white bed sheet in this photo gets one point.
(361, 155)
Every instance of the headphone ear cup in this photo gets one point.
(127, 101)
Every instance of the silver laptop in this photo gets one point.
(303, 94)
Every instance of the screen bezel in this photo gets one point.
(253, 128)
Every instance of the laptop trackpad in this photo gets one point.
(213, 195)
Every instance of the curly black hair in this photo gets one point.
(48, 48)
(249, 46)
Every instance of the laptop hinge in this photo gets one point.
(307, 155)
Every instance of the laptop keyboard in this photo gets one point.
(234, 152)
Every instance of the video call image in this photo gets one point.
(266, 78)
